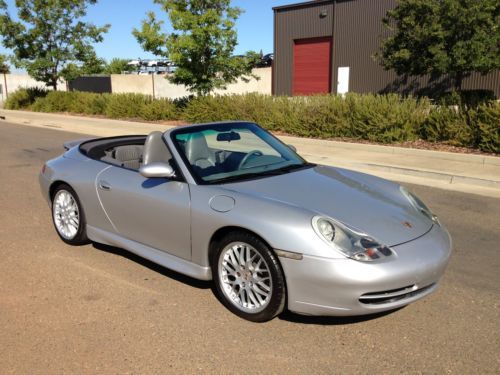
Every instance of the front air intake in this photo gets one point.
(394, 295)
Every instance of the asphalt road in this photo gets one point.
(96, 309)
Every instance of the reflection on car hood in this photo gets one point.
(366, 203)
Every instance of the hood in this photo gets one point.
(366, 203)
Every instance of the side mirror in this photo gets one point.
(292, 147)
(156, 170)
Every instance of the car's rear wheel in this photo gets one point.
(248, 277)
(68, 216)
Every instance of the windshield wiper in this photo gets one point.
(270, 172)
(291, 167)
(245, 176)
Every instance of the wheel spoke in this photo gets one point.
(259, 294)
(247, 260)
(73, 223)
(229, 270)
(253, 298)
(260, 284)
(232, 258)
(242, 256)
(242, 296)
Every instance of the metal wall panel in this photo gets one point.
(297, 23)
(98, 84)
(357, 32)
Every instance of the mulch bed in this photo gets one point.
(418, 144)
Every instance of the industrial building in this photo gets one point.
(328, 46)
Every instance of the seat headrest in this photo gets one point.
(196, 148)
(155, 149)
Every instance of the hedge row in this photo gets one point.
(379, 118)
(131, 106)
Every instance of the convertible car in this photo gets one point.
(230, 202)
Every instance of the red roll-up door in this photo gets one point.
(312, 66)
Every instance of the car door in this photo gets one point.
(152, 211)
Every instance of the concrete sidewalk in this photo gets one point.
(461, 172)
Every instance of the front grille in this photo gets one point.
(394, 295)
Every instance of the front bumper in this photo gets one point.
(343, 287)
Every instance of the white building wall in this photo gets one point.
(18, 81)
(144, 84)
(156, 85)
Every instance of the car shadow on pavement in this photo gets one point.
(200, 284)
(332, 320)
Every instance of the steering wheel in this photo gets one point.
(247, 157)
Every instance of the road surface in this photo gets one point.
(97, 309)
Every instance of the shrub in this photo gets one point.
(24, 98)
(159, 109)
(114, 106)
(447, 124)
(126, 105)
(382, 118)
(379, 118)
(385, 118)
(474, 127)
(487, 120)
(72, 102)
(465, 98)
(55, 101)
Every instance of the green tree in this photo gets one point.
(48, 35)
(93, 64)
(4, 66)
(445, 37)
(201, 46)
(117, 66)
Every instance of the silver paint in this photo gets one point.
(172, 223)
(221, 203)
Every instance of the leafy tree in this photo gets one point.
(49, 35)
(71, 71)
(93, 64)
(443, 37)
(117, 66)
(4, 66)
(201, 46)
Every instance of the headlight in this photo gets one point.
(418, 204)
(350, 243)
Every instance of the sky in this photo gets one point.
(254, 27)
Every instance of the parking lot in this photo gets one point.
(97, 309)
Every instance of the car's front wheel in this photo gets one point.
(68, 216)
(248, 277)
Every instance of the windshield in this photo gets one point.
(236, 151)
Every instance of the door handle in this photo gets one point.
(103, 185)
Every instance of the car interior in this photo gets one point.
(132, 152)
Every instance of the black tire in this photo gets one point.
(275, 303)
(80, 237)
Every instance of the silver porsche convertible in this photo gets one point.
(230, 202)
